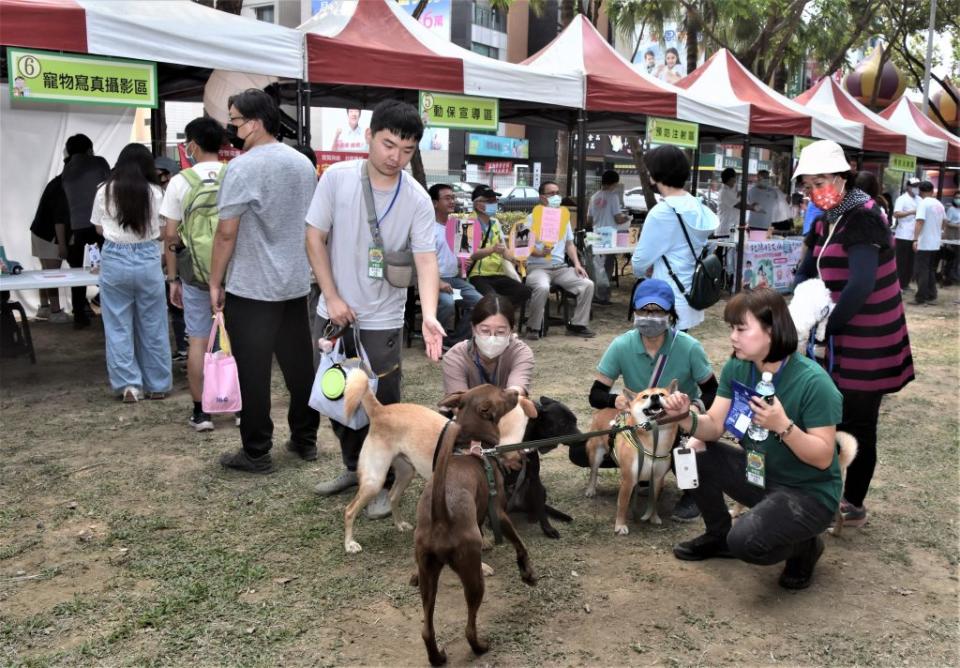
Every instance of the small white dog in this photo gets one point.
(810, 308)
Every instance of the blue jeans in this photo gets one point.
(133, 300)
(445, 308)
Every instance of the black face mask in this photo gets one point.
(233, 137)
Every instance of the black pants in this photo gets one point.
(949, 274)
(861, 411)
(904, 253)
(78, 241)
(782, 521)
(259, 330)
(383, 350)
(926, 266)
(515, 291)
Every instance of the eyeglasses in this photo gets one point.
(239, 118)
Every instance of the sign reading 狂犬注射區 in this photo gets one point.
(45, 76)
(903, 163)
(462, 112)
(670, 131)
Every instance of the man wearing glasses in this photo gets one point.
(260, 249)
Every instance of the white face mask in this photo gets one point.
(651, 326)
(554, 201)
(491, 346)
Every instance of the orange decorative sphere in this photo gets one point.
(947, 108)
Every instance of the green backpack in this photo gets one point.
(198, 227)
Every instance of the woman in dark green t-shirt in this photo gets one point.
(791, 479)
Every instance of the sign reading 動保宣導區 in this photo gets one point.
(462, 112)
(903, 163)
(45, 76)
(670, 131)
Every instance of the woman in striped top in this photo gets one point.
(851, 249)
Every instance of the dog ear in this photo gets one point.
(452, 400)
(629, 394)
(546, 400)
(529, 408)
(673, 386)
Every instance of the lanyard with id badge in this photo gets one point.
(396, 267)
(738, 421)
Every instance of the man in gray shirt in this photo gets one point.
(341, 248)
(82, 175)
(259, 247)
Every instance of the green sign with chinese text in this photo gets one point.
(671, 131)
(903, 163)
(45, 76)
(799, 143)
(462, 112)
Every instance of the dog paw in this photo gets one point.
(590, 492)
(486, 569)
(438, 659)
(352, 547)
(550, 532)
(655, 520)
(479, 646)
(486, 544)
(404, 526)
(415, 580)
(529, 576)
(621, 529)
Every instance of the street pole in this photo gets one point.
(742, 227)
(926, 63)
(581, 167)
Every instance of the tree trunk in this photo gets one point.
(637, 150)
(693, 42)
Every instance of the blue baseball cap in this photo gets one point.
(653, 291)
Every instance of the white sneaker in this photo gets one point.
(379, 508)
(60, 318)
(131, 394)
(345, 480)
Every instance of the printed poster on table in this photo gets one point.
(770, 263)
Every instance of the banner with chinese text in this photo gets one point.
(462, 112)
(671, 131)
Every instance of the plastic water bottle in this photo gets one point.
(765, 389)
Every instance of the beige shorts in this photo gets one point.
(43, 249)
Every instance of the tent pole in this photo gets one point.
(859, 161)
(570, 147)
(581, 164)
(940, 176)
(307, 128)
(299, 112)
(158, 130)
(696, 170)
(742, 227)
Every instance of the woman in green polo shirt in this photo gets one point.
(652, 354)
(791, 480)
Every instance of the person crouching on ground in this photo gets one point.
(795, 472)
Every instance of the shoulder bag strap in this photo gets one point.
(832, 229)
(696, 260)
(371, 207)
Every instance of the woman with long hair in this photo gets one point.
(132, 292)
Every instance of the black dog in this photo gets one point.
(524, 489)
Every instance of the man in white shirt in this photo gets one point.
(926, 244)
(729, 207)
(904, 211)
(950, 252)
(762, 197)
(605, 210)
(349, 266)
(203, 139)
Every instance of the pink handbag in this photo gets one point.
(221, 381)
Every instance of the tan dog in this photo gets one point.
(848, 451)
(454, 506)
(643, 406)
(403, 436)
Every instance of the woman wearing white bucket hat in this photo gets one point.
(852, 251)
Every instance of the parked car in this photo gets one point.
(519, 198)
(635, 202)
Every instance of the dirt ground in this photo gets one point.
(123, 543)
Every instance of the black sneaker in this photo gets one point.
(201, 422)
(602, 302)
(686, 509)
(580, 330)
(702, 547)
(241, 461)
(307, 453)
(798, 571)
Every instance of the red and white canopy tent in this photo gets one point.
(903, 114)
(616, 95)
(174, 31)
(364, 50)
(723, 78)
(878, 133)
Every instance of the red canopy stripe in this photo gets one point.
(58, 25)
(375, 49)
(766, 114)
(875, 136)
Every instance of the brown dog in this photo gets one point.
(403, 436)
(643, 406)
(453, 507)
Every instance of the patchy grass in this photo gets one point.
(122, 543)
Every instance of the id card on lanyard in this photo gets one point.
(756, 468)
(375, 253)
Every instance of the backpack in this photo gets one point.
(198, 227)
(705, 285)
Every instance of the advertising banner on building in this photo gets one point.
(45, 76)
(497, 147)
